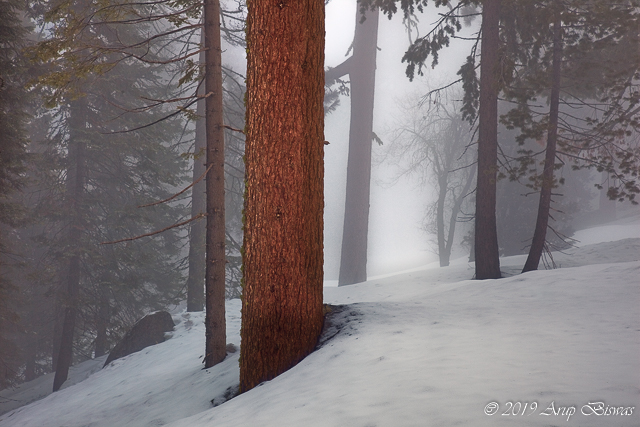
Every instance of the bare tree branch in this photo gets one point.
(153, 233)
(180, 192)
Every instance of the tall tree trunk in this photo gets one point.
(487, 258)
(75, 191)
(198, 229)
(362, 73)
(453, 219)
(56, 328)
(542, 221)
(102, 323)
(283, 236)
(443, 255)
(215, 323)
(30, 355)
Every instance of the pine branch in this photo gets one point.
(153, 233)
(180, 192)
(233, 129)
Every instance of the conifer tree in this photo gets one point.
(124, 164)
(361, 67)
(583, 58)
(13, 117)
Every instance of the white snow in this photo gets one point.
(423, 348)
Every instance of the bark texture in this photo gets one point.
(362, 73)
(487, 257)
(215, 323)
(283, 236)
(542, 221)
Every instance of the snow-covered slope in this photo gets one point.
(423, 348)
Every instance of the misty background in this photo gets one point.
(121, 282)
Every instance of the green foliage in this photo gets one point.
(104, 100)
(431, 44)
(599, 125)
(471, 88)
(408, 7)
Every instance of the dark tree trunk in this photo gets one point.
(56, 329)
(215, 323)
(198, 229)
(362, 72)
(75, 190)
(606, 206)
(542, 221)
(30, 353)
(283, 236)
(487, 258)
(102, 323)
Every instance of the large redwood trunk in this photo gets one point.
(542, 221)
(487, 257)
(215, 323)
(283, 236)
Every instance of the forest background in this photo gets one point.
(87, 142)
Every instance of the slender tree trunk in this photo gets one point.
(30, 357)
(283, 236)
(56, 329)
(443, 255)
(542, 221)
(453, 219)
(215, 323)
(198, 229)
(487, 258)
(75, 191)
(102, 323)
(362, 73)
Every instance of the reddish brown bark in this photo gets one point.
(282, 297)
(487, 257)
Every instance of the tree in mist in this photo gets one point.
(198, 229)
(74, 203)
(542, 221)
(215, 323)
(361, 67)
(282, 259)
(13, 118)
(436, 141)
(234, 111)
(112, 163)
(487, 258)
(167, 23)
(583, 58)
(480, 97)
(234, 120)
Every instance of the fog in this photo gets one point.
(396, 241)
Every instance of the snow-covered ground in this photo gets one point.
(422, 348)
